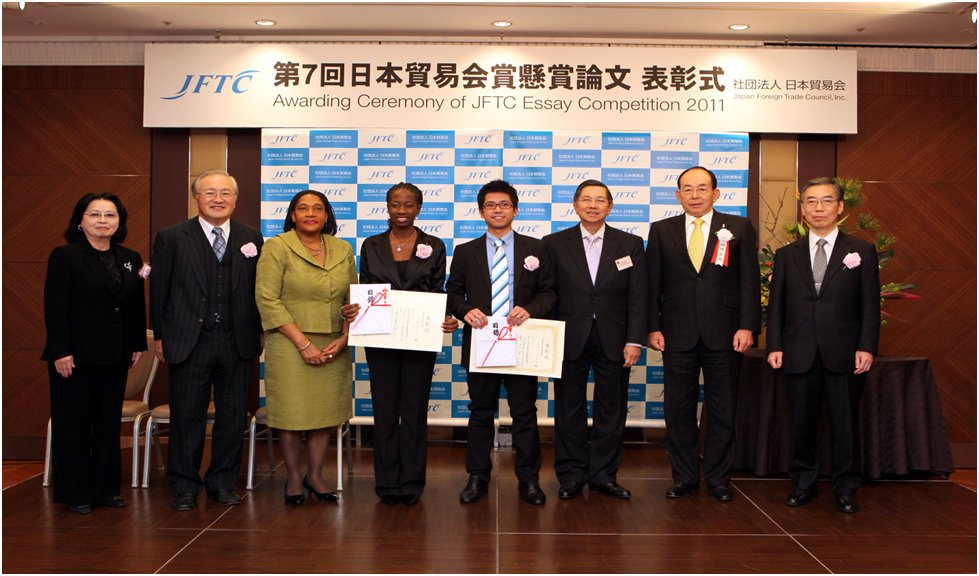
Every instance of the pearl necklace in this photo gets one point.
(400, 244)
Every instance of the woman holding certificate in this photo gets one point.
(303, 279)
(408, 259)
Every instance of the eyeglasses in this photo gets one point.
(824, 201)
(700, 190)
(598, 201)
(494, 205)
(212, 194)
(98, 215)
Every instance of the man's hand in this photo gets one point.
(775, 359)
(656, 341)
(864, 360)
(631, 354)
(743, 340)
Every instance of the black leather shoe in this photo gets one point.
(112, 502)
(800, 497)
(531, 492)
(410, 499)
(569, 490)
(321, 496)
(611, 489)
(847, 504)
(294, 499)
(224, 496)
(721, 493)
(475, 489)
(680, 490)
(80, 508)
(391, 499)
(184, 501)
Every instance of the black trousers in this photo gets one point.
(86, 411)
(213, 362)
(842, 392)
(580, 456)
(484, 398)
(401, 381)
(681, 371)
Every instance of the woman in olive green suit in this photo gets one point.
(303, 280)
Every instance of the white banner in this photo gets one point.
(500, 86)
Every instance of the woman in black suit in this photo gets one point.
(95, 317)
(408, 259)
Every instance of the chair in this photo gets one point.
(161, 415)
(262, 417)
(135, 406)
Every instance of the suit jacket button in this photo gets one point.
(200, 319)
(115, 309)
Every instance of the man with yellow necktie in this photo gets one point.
(704, 306)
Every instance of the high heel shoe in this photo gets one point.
(321, 496)
(295, 499)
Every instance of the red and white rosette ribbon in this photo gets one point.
(721, 254)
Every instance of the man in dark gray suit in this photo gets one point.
(601, 297)
(207, 327)
(704, 306)
(823, 328)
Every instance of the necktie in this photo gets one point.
(696, 247)
(219, 243)
(819, 264)
(500, 277)
(593, 253)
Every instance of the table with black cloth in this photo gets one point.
(902, 429)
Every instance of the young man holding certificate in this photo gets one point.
(499, 274)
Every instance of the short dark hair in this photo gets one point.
(329, 227)
(713, 177)
(74, 234)
(587, 183)
(823, 181)
(405, 186)
(497, 186)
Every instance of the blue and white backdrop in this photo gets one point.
(355, 167)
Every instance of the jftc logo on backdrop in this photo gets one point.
(511, 86)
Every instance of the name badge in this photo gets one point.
(624, 263)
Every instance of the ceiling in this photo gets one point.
(910, 24)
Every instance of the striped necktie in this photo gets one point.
(500, 276)
(696, 247)
(219, 243)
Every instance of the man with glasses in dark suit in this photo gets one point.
(704, 306)
(207, 327)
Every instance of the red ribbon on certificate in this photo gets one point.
(506, 331)
(721, 253)
(380, 299)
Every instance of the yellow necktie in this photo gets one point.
(696, 247)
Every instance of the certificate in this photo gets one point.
(416, 323)
(375, 309)
(496, 343)
(540, 350)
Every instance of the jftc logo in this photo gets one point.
(214, 84)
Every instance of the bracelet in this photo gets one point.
(308, 342)
(342, 317)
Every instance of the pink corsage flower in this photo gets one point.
(531, 263)
(144, 272)
(423, 251)
(851, 260)
(249, 250)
